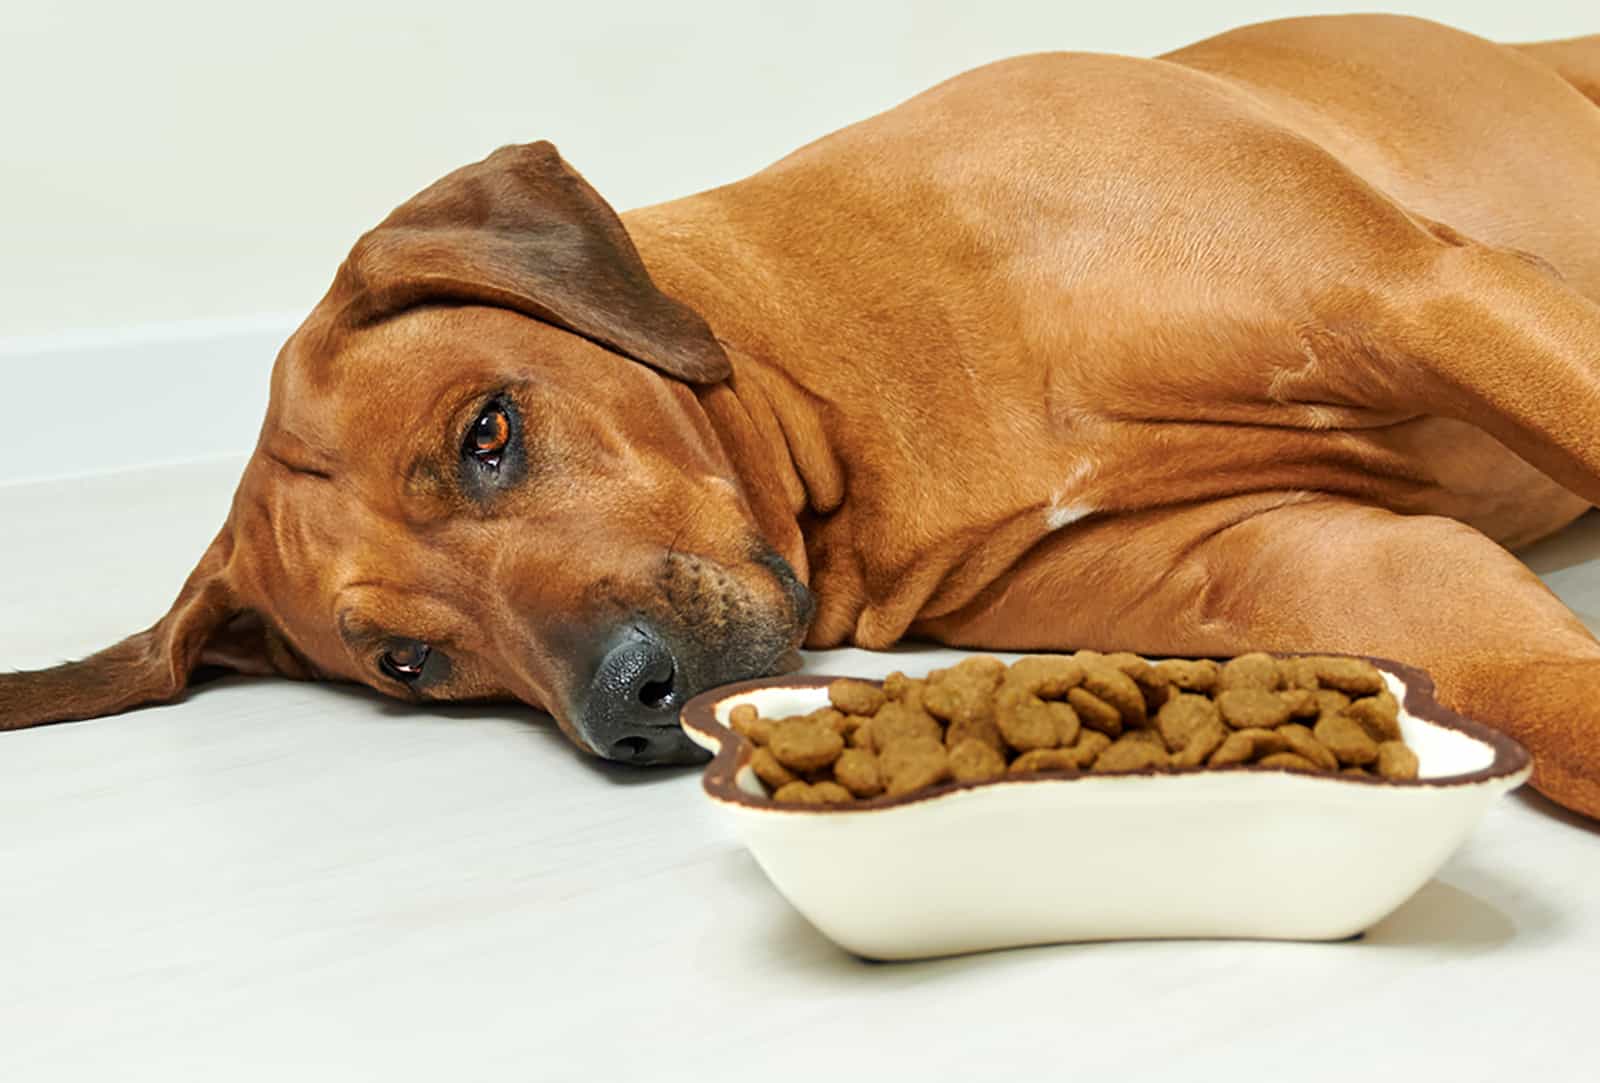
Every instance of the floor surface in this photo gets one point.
(279, 881)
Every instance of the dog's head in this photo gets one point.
(484, 474)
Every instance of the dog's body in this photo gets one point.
(1254, 346)
(1148, 286)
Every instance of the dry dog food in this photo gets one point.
(1104, 713)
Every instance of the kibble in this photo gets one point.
(981, 720)
(912, 763)
(1396, 761)
(1347, 739)
(857, 771)
(976, 761)
(1094, 712)
(800, 744)
(856, 697)
(1252, 707)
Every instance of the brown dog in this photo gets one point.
(1270, 343)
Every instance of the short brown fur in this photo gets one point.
(1271, 343)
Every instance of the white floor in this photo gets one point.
(278, 881)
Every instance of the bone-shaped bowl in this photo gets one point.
(1068, 856)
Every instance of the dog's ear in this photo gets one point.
(204, 627)
(522, 230)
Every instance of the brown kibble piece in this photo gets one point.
(911, 763)
(1355, 772)
(1379, 715)
(853, 722)
(1288, 761)
(915, 697)
(912, 694)
(982, 667)
(830, 718)
(831, 793)
(1028, 722)
(964, 692)
(856, 697)
(1147, 737)
(1046, 675)
(957, 700)
(1153, 685)
(1396, 761)
(1252, 707)
(813, 793)
(1200, 744)
(857, 771)
(897, 721)
(1267, 742)
(1182, 715)
(773, 775)
(895, 685)
(794, 793)
(1347, 739)
(1156, 688)
(1142, 672)
(758, 729)
(1303, 743)
(1331, 702)
(744, 713)
(1302, 702)
(984, 730)
(1030, 699)
(1044, 759)
(975, 761)
(1026, 727)
(1131, 753)
(1118, 689)
(802, 746)
(1246, 745)
(1255, 670)
(1088, 747)
(1299, 674)
(1068, 725)
(1191, 676)
(1236, 749)
(1351, 676)
(1095, 712)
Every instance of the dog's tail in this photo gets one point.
(1577, 60)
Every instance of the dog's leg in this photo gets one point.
(1496, 339)
(1318, 574)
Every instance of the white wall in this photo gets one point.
(180, 160)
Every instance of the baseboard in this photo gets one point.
(94, 402)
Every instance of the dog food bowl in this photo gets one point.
(1220, 852)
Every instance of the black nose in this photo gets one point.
(631, 710)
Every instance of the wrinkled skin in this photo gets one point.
(510, 581)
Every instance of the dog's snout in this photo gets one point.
(630, 710)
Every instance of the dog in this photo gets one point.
(1276, 342)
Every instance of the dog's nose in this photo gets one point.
(631, 710)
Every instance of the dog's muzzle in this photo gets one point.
(646, 669)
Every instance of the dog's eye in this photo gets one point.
(404, 661)
(488, 437)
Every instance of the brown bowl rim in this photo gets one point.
(735, 750)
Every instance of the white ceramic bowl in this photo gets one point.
(1232, 852)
